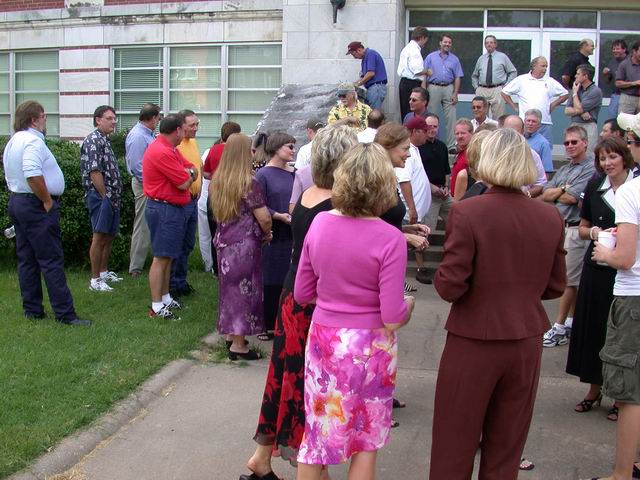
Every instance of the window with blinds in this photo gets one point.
(36, 78)
(137, 79)
(219, 82)
(5, 108)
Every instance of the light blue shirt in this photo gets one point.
(445, 69)
(27, 156)
(541, 145)
(138, 139)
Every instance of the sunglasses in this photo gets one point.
(633, 142)
(342, 95)
(566, 143)
(290, 146)
(415, 100)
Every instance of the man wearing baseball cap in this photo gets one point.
(373, 75)
(349, 106)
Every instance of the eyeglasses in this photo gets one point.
(415, 100)
(290, 146)
(342, 95)
(633, 142)
(566, 143)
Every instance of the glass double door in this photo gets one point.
(522, 47)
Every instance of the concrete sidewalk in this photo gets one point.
(202, 425)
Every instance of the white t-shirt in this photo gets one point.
(414, 172)
(534, 93)
(628, 211)
(304, 156)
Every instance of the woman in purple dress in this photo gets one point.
(276, 180)
(244, 223)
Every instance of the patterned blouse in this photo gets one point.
(96, 155)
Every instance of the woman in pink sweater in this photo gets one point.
(352, 266)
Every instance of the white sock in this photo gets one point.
(166, 298)
(559, 327)
(103, 274)
(157, 306)
(95, 281)
(568, 322)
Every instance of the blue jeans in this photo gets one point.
(613, 105)
(376, 95)
(180, 265)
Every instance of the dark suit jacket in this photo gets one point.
(503, 253)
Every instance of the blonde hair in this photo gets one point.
(506, 160)
(473, 151)
(232, 180)
(328, 148)
(365, 183)
(390, 135)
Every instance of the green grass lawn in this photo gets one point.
(55, 378)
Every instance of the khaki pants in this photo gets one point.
(440, 99)
(629, 104)
(140, 238)
(439, 208)
(496, 102)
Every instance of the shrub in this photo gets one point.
(74, 217)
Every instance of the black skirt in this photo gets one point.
(589, 331)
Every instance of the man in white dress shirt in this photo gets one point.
(374, 120)
(35, 184)
(411, 67)
(304, 154)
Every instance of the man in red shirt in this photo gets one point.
(166, 178)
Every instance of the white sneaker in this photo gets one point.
(111, 277)
(174, 305)
(553, 338)
(99, 286)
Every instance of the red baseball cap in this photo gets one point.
(353, 46)
(417, 123)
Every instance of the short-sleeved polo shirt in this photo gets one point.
(163, 169)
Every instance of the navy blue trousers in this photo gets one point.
(39, 251)
(180, 265)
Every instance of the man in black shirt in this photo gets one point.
(585, 48)
(435, 160)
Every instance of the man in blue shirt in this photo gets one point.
(443, 82)
(35, 183)
(537, 141)
(139, 138)
(373, 74)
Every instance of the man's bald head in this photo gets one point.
(515, 123)
(375, 118)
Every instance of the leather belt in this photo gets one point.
(492, 86)
(440, 84)
(571, 224)
(378, 83)
(24, 194)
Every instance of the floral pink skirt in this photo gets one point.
(349, 382)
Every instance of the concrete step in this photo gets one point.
(431, 254)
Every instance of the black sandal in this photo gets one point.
(253, 476)
(587, 404)
(398, 404)
(250, 355)
(526, 464)
(612, 415)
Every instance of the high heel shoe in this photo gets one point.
(586, 404)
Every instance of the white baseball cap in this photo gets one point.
(628, 121)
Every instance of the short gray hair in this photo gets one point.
(535, 112)
(535, 61)
(328, 148)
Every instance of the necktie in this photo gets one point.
(489, 78)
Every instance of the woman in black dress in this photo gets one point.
(595, 293)
(281, 422)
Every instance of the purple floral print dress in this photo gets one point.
(238, 243)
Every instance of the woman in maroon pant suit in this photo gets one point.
(503, 254)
